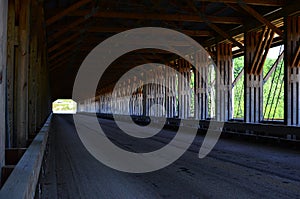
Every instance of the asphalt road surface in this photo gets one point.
(234, 169)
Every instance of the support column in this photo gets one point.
(159, 90)
(11, 41)
(128, 98)
(144, 99)
(32, 76)
(3, 48)
(170, 92)
(292, 71)
(21, 75)
(150, 94)
(224, 82)
(257, 45)
(140, 99)
(156, 90)
(201, 81)
(184, 88)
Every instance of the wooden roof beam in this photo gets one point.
(59, 53)
(196, 33)
(250, 2)
(66, 29)
(63, 42)
(260, 18)
(214, 27)
(158, 16)
(65, 12)
(73, 25)
(225, 35)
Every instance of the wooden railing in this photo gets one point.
(24, 177)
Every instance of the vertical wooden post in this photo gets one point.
(253, 83)
(224, 82)
(144, 99)
(292, 71)
(32, 108)
(3, 49)
(11, 42)
(257, 45)
(170, 92)
(184, 88)
(201, 83)
(180, 91)
(21, 74)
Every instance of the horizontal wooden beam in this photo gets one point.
(65, 12)
(195, 33)
(251, 2)
(159, 16)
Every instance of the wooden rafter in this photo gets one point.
(159, 16)
(59, 53)
(98, 29)
(73, 25)
(65, 12)
(60, 58)
(66, 29)
(63, 42)
(213, 26)
(251, 2)
(225, 35)
(260, 18)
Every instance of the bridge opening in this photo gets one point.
(64, 106)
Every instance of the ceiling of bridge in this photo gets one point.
(75, 27)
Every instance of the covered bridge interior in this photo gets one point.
(43, 43)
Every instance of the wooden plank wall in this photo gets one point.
(3, 41)
(28, 94)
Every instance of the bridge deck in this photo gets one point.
(234, 169)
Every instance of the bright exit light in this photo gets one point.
(64, 106)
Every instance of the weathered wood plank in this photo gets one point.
(11, 42)
(3, 47)
(21, 78)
